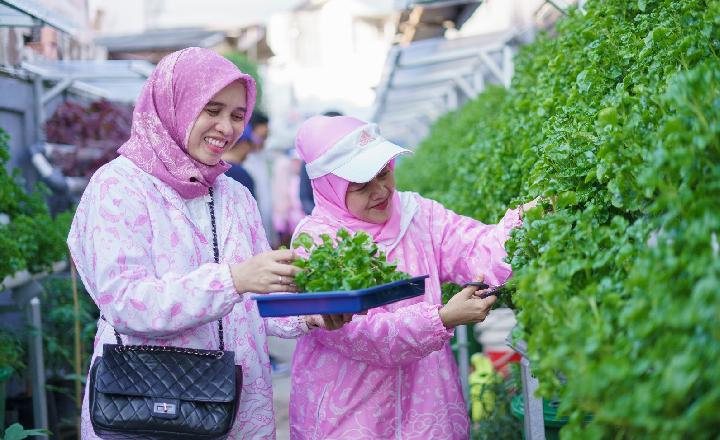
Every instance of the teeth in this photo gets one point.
(215, 142)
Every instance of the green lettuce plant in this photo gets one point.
(348, 262)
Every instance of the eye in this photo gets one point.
(212, 111)
(357, 187)
(236, 117)
(383, 174)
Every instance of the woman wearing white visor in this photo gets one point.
(389, 374)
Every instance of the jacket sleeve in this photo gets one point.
(285, 327)
(389, 339)
(110, 243)
(467, 248)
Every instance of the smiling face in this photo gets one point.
(219, 124)
(371, 201)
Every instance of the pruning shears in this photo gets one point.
(482, 286)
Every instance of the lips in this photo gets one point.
(216, 146)
(382, 206)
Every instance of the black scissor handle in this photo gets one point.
(494, 292)
(479, 284)
(482, 286)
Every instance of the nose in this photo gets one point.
(379, 191)
(224, 126)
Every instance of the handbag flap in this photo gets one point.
(166, 374)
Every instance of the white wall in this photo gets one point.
(132, 16)
(327, 58)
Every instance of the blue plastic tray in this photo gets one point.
(348, 301)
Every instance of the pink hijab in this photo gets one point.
(315, 137)
(170, 102)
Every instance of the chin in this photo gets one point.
(211, 162)
(378, 220)
(208, 160)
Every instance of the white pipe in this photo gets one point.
(37, 367)
(23, 277)
(463, 361)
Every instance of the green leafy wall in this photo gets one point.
(617, 120)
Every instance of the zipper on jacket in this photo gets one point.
(317, 413)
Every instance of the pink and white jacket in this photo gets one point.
(391, 374)
(147, 261)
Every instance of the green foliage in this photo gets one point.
(448, 290)
(246, 65)
(11, 355)
(349, 262)
(17, 432)
(33, 240)
(59, 326)
(498, 422)
(617, 121)
(454, 140)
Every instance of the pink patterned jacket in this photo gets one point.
(391, 374)
(149, 268)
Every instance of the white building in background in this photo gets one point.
(329, 55)
(438, 69)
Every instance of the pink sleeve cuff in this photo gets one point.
(224, 285)
(436, 324)
(510, 221)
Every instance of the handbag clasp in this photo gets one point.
(164, 408)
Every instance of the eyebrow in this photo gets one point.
(220, 104)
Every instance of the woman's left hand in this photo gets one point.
(328, 322)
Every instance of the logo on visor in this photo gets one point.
(365, 138)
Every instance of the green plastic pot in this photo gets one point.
(553, 423)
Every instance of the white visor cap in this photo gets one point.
(358, 157)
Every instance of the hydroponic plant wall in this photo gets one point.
(616, 120)
(29, 237)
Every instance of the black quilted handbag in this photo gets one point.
(154, 392)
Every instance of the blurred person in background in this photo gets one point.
(258, 165)
(287, 209)
(235, 157)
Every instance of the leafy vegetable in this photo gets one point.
(30, 238)
(348, 262)
(616, 119)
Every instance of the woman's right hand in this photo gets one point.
(466, 307)
(265, 273)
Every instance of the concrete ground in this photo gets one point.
(282, 350)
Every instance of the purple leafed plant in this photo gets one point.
(96, 131)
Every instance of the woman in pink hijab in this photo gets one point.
(142, 237)
(389, 374)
